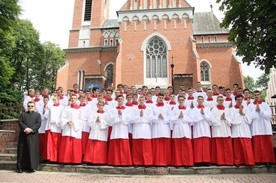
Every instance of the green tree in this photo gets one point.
(25, 53)
(252, 30)
(45, 69)
(262, 81)
(249, 83)
(9, 11)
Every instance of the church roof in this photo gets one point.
(207, 23)
(110, 23)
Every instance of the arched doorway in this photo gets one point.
(108, 73)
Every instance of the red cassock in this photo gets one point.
(141, 136)
(53, 133)
(202, 149)
(142, 152)
(182, 152)
(161, 135)
(70, 150)
(263, 149)
(96, 152)
(262, 133)
(53, 142)
(108, 136)
(161, 150)
(243, 153)
(96, 149)
(119, 152)
(84, 140)
(222, 151)
(42, 145)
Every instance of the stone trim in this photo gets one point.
(213, 45)
(170, 12)
(91, 49)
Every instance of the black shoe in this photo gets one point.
(31, 171)
(268, 165)
(19, 171)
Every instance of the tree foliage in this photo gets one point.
(252, 30)
(24, 52)
(249, 83)
(262, 81)
(46, 67)
(260, 84)
(9, 11)
(24, 61)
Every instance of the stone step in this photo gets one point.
(156, 170)
(7, 165)
(9, 150)
(8, 157)
(12, 145)
(11, 165)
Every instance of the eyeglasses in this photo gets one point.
(30, 105)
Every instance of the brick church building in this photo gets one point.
(140, 47)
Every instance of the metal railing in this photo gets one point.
(10, 111)
(273, 119)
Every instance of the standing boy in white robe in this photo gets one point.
(119, 153)
(182, 150)
(96, 149)
(221, 142)
(70, 150)
(261, 131)
(53, 130)
(201, 132)
(241, 135)
(141, 134)
(161, 134)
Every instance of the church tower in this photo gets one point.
(88, 17)
(92, 48)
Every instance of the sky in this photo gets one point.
(53, 20)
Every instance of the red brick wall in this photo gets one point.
(73, 39)
(132, 70)
(97, 17)
(77, 16)
(225, 70)
(62, 78)
(86, 61)
(6, 134)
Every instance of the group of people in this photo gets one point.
(149, 127)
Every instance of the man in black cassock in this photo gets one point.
(28, 142)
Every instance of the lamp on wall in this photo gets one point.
(172, 66)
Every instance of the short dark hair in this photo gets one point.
(246, 89)
(199, 97)
(238, 96)
(257, 91)
(180, 97)
(161, 94)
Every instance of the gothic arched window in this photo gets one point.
(205, 71)
(156, 58)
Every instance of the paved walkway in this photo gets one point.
(49, 177)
